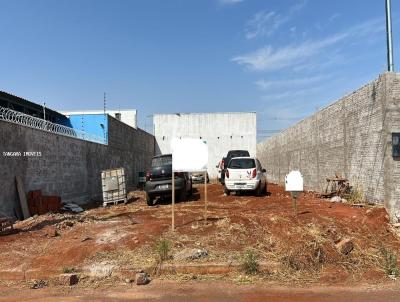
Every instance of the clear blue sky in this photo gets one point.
(281, 58)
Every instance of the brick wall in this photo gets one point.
(351, 136)
(68, 167)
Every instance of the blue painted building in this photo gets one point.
(92, 124)
(91, 127)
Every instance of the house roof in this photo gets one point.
(24, 102)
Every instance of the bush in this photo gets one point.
(163, 248)
(356, 195)
(390, 262)
(250, 263)
(68, 270)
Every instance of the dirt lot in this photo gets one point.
(195, 291)
(107, 245)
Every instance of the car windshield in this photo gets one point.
(161, 161)
(238, 153)
(242, 163)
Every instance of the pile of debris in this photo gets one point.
(72, 207)
(336, 186)
(6, 224)
(337, 199)
(40, 204)
(190, 254)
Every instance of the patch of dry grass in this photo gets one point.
(289, 252)
(356, 196)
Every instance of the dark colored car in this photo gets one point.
(225, 161)
(159, 180)
(199, 178)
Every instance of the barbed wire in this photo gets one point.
(20, 118)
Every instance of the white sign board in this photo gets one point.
(189, 155)
(294, 182)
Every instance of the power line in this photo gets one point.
(269, 130)
(276, 118)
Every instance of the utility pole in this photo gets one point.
(105, 118)
(389, 36)
(104, 103)
(44, 110)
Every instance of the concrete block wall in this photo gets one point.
(351, 136)
(391, 164)
(67, 166)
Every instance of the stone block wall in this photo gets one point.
(351, 137)
(68, 167)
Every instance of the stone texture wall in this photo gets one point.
(68, 167)
(391, 164)
(351, 136)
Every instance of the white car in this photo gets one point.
(245, 174)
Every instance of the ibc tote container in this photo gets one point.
(114, 186)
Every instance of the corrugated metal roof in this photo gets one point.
(22, 101)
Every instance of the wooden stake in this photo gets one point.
(205, 196)
(173, 201)
(294, 202)
(22, 198)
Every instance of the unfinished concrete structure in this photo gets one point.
(352, 136)
(222, 132)
(68, 167)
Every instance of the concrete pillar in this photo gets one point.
(391, 164)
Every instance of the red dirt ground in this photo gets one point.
(194, 291)
(235, 223)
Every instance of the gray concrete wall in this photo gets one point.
(351, 136)
(222, 131)
(68, 167)
(392, 165)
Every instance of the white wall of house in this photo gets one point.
(128, 116)
(222, 132)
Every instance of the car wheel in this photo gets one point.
(190, 193)
(259, 190)
(226, 191)
(149, 200)
(182, 195)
